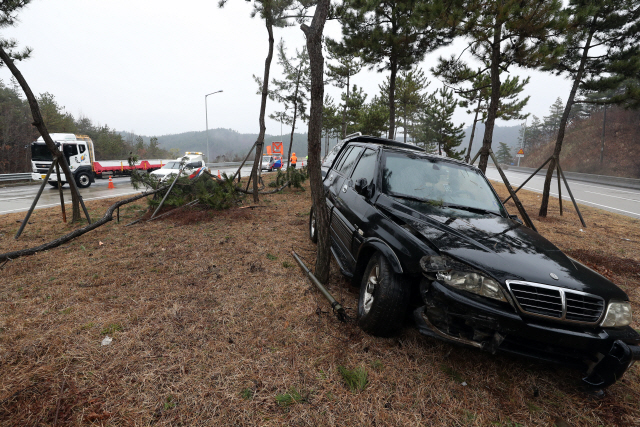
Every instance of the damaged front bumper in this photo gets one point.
(603, 354)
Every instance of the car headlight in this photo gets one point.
(472, 282)
(618, 314)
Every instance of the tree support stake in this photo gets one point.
(335, 305)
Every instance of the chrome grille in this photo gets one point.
(583, 308)
(556, 303)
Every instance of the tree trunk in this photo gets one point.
(392, 97)
(38, 122)
(473, 132)
(495, 97)
(316, 64)
(295, 115)
(263, 107)
(344, 111)
(544, 203)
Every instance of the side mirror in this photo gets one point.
(516, 219)
(361, 186)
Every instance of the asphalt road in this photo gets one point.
(19, 198)
(619, 200)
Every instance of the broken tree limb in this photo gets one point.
(108, 216)
(191, 203)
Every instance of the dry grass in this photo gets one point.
(214, 324)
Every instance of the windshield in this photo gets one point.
(172, 165)
(439, 183)
(40, 152)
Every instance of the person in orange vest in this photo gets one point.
(294, 159)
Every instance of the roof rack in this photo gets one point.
(383, 141)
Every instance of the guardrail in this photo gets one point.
(15, 177)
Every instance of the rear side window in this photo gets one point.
(349, 161)
(366, 166)
(343, 156)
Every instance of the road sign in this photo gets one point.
(520, 153)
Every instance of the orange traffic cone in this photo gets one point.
(111, 183)
(219, 177)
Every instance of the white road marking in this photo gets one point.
(609, 195)
(69, 203)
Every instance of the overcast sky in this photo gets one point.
(145, 66)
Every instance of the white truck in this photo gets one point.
(78, 150)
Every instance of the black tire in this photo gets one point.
(83, 180)
(383, 301)
(54, 184)
(313, 229)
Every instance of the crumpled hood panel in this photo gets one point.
(505, 249)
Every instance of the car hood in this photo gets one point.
(505, 249)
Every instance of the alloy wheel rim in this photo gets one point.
(370, 289)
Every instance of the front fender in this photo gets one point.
(368, 247)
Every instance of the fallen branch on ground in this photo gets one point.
(108, 216)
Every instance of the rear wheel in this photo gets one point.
(313, 229)
(383, 299)
(83, 180)
(54, 184)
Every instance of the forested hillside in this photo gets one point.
(227, 144)
(583, 143)
(17, 132)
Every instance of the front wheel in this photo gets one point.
(54, 184)
(83, 180)
(383, 300)
(313, 229)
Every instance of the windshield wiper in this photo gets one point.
(412, 198)
(470, 209)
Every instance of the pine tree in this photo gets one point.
(601, 52)
(437, 128)
(504, 153)
(275, 13)
(340, 75)
(293, 90)
(410, 97)
(503, 33)
(478, 94)
(393, 35)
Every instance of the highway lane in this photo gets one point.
(624, 201)
(19, 198)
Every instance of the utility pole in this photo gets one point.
(206, 115)
(604, 122)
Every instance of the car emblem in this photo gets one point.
(553, 276)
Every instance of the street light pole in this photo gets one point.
(206, 115)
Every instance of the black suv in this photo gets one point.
(427, 233)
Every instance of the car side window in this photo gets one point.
(82, 148)
(349, 161)
(366, 166)
(343, 156)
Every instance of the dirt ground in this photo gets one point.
(213, 323)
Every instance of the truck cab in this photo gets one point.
(78, 152)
